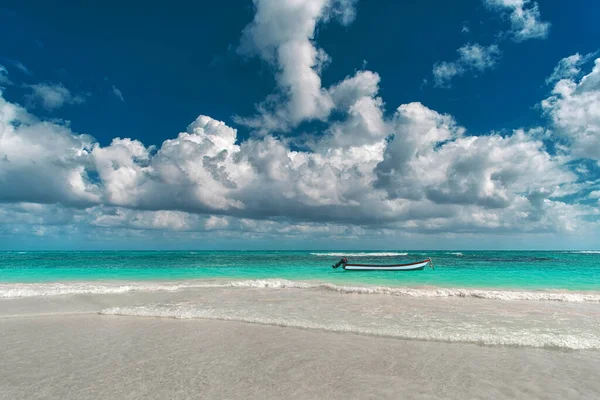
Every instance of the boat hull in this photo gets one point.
(419, 265)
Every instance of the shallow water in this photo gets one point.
(527, 319)
(453, 269)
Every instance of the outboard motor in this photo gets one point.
(343, 261)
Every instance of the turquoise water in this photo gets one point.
(467, 269)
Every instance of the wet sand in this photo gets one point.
(91, 356)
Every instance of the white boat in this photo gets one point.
(419, 265)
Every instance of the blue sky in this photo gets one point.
(307, 124)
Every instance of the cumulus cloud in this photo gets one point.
(472, 57)
(362, 173)
(41, 161)
(574, 109)
(430, 159)
(282, 33)
(52, 96)
(416, 171)
(525, 18)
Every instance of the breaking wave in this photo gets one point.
(380, 254)
(587, 252)
(54, 289)
(481, 335)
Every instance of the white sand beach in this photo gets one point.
(110, 357)
(65, 347)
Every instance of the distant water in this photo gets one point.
(525, 270)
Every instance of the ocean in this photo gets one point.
(493, 298)
(532, 270)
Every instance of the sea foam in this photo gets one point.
(17, 290)
(14, 290)
(481, 335)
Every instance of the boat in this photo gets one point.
(418, 265)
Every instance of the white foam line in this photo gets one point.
(467, 293)
(15, 290)
(497, 338)
(8, 291)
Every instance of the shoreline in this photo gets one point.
(11, 289)
(455, 318)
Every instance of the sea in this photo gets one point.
(556, 270)
(540, 299)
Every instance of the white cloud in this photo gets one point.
(364, 125)
(525, 18)
(214, 222)
(574, 108)
(444, 72)
(116, 217)
(478, 57)
(53, 96)
(471, 183)
(363, 173)
(569, 67)
(351, 89)
(472, 57)
(282, 33)
(42, 161)
(118, 93)
(525, 24)
(428, 178)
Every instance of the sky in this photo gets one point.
(300, 124)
